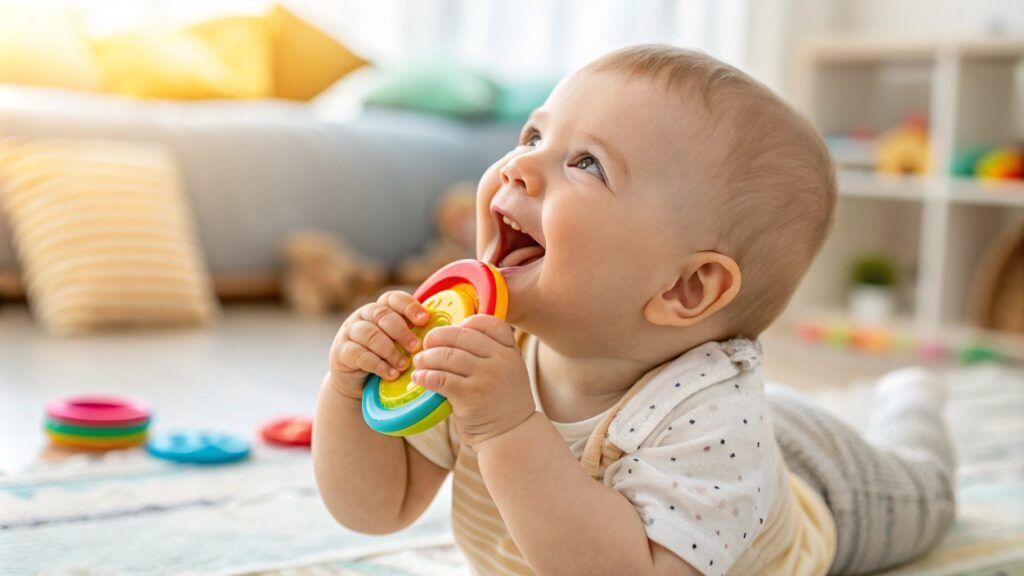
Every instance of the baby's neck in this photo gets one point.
(573, 389)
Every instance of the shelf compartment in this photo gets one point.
(865, 226)
(972, 230)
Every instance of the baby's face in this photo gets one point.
(583, 216)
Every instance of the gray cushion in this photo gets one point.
(257, 170)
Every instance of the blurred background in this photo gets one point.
(193, 194)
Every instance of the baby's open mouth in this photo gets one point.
(516, 246)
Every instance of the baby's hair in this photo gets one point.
(775, 185)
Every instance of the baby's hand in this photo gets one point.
(372, 340)
(477, 366)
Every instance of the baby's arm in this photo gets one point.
(370, 482)
(563, 521)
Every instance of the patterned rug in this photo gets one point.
(125, 513)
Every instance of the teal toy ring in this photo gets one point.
(461, 289)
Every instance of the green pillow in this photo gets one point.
(435, 87)
(516, 99)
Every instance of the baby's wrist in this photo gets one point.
(344, 388)
(498, 440)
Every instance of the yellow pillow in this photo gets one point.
(103, 233)
(244, 44)
(306, 60)
(223, 58)
(45, 48)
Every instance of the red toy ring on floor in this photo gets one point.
(98, 411)
(296, 431)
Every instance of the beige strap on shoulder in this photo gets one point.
(599, 453)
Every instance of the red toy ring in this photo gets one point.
(474, 273)
(98, 411)
(297, 431)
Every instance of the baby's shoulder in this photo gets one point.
(736, 406)
(717, 384)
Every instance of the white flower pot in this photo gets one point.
(872, 305)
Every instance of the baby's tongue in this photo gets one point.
(521, 256)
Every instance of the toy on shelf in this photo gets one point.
(323, 274)
(293, 431)
(905, 150)
(455, 220)
(463, 288)
(97, 422)
(991, 164)
(964, 162)
(854, 149)
(199, 447)
(1001, 164)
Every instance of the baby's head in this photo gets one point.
(658, 198)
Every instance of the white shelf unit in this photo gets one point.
(935, 228)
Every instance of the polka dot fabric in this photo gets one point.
(698, 461)
(707, 477)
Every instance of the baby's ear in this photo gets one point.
(706, 283)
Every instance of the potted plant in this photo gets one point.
(873, 294)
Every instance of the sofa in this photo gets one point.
(257, 170)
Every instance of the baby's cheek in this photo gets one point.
(485, 191)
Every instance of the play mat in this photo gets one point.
(125, 513)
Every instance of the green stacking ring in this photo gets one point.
(72, 430)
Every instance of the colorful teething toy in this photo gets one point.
(97, 422)
(459, 290)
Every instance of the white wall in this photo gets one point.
(931, 18)
(779, 27)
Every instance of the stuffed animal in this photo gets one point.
(905, 150)
(323, 274)
(455, 219)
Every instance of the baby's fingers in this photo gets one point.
(397, 311)
(406, 305)
(392, 325)
(355, 354)
(371, 337)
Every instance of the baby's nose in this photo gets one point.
(510, 176)
(519, 174)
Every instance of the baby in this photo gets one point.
(657, 215)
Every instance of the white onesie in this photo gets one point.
(699, 464)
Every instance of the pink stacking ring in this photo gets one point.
(98, 411)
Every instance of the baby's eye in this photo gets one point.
(590, 164)
(531, 139)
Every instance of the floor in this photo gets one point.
(255, 364)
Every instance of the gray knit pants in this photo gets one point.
(890, 491)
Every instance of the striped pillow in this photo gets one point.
(103, 234)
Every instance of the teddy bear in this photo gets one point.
(455, 220)
(323, 274)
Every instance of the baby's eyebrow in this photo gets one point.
(536, 116)
(613, 154)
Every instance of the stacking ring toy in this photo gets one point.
(95, 411)
(97, 442)
(297, 431)
(94, 432)
(199, 447)
(459, 290)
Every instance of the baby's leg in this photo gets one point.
(891, 493)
